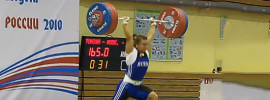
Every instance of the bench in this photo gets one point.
(101, 85)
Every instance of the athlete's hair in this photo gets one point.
(138, 38)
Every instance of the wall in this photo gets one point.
(243, 49)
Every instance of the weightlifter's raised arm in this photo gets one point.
(151, 33)
(129, 37)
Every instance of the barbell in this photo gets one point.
(162, 21)
(102, 18)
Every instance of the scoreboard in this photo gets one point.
(102, 53)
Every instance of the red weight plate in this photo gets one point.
(161, 26)
(114, 14)
(182, 24)
(178, 25)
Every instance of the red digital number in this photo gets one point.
(90, 50)
(98, 52)
(93, 53)
(106, 51)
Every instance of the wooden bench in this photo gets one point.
(169, 86)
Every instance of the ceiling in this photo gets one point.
(255, 6)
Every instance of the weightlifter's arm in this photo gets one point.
(129, 38)
(151, 33)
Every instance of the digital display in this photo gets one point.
(102, 53)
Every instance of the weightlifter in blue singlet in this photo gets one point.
(137, 60)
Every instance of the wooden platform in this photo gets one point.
(169, 86)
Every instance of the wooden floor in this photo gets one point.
(169, 86)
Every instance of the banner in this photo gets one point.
(39, 42)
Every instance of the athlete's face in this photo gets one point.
(142, 46)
